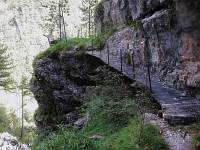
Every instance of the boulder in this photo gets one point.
(7, 141)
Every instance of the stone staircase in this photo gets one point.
(177, 107)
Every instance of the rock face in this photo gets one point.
(60, 85)
(169, 30)
(7, 141)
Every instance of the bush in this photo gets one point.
(196, 142)
(110, 102)
(100, 40)
(128, 139)
(66, 140)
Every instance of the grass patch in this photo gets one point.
(114, 111)
(66, 140)
(128, 139)
(196, 142)
(61, 45)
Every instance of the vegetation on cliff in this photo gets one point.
(61, 44)
(114, 109)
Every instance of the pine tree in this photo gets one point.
(87, 8)
(6, 67)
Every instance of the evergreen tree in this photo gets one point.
(87, 8)
(6, 66)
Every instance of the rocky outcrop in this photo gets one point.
(167, 29)
(7, 141)
(60, 84)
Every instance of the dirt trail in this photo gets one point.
(175, 138)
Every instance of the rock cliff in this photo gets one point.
(169, 28)
(60, 84)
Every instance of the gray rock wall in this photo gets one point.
(171, 28)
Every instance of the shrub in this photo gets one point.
(100, 40)
(196, 142)
(66, 140)
(127, 139)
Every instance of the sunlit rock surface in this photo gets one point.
(8, 142)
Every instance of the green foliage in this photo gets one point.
(114, 111)
(62, 45)
(4, 119)
(100, 40)
(66, 140)
(10, 123)
(196, 142)
(6, 66)
(127, 139)
(134, 24)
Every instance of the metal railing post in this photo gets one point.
(121, 60)
(108, 51)
(149, 76)
(92, 47)
(100, 49)
(133, 65)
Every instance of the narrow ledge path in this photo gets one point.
(177, 107)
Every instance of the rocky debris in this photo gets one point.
(8, 142)
(96, 137)
(175, 138)
(81, 122)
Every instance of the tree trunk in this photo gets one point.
(89, 23)
(64, 26)
(22, 123)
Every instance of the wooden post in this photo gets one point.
(108, 51)
(121, 60)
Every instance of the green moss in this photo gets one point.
(60, 45)
(134, 24)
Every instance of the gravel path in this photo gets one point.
(175, 138)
